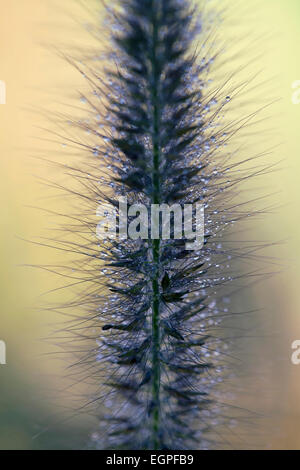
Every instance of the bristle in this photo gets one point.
(155, 137)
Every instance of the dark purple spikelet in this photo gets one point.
(154, 136)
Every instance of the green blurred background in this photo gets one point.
(35, 398)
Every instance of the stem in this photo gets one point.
(155, 243)
(156, 351)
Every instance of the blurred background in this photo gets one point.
(36, 401)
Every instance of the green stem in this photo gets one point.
(155, 243)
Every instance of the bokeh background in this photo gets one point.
(36, 400)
